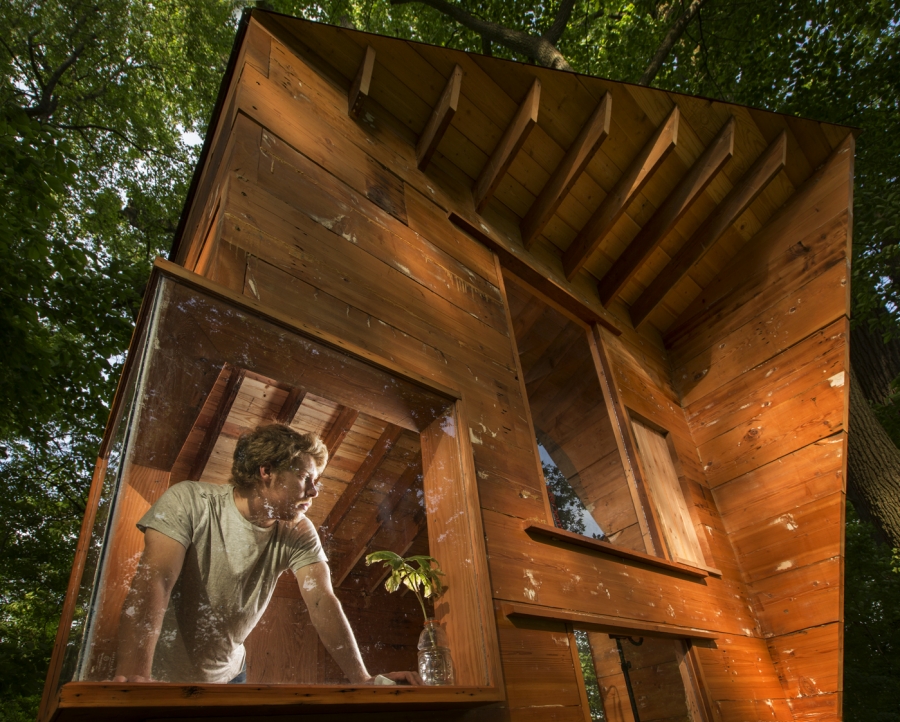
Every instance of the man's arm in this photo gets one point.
(334, 630)
(145, 606)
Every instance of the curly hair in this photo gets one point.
(274, 446)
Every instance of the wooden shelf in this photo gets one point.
(605, 623)
(105, 700)
(551, 532)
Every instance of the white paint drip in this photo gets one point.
(837, 380)
(473, 438)
(784, 565)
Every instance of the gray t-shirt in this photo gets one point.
(230, 570)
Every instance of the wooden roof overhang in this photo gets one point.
(619, 202)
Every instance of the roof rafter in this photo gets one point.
(504, 154)
(633, 180)
(440, 119)
(590, 138)
(754, 181)
(700, 175)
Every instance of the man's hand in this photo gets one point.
(145, 606)
(412, 678)
(122, 679)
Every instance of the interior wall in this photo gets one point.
(762, 368)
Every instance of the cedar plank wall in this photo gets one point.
(762, 367)
(307, 217)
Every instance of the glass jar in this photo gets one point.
(435, 664)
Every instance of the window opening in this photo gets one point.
(589, 490)
(210, 372)
(641, 679)
(569, 511)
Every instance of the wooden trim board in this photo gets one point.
(605, 623)
(551, 532)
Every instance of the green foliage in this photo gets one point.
(424, 579)
(95, 98)
(871, 627)
(589, 673)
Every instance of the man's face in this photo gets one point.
(287, 495)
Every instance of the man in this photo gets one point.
(212, 555)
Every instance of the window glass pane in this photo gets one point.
(245, 515)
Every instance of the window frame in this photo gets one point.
(126, 701)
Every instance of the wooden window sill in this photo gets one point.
(605, 623)
(106, 700)
(551, 532)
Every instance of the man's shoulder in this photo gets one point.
(303, 528)
(204, 489)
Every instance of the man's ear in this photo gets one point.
(265, 473)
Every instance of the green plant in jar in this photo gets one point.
(421, 574)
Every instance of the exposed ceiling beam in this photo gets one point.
(216, 423)
(689, 189)
(291, 405)
(359, 91)
(379, 517)
(745, 191)
(344, 421)
(516, 134)
(633, 180)
(589, 140)
(346, 501)
(440, 120)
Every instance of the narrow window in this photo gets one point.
(662, 478)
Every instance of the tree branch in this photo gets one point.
(538, 49)
(672, 37)
(48, 102)
(554, 33)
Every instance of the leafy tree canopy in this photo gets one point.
(96, 98)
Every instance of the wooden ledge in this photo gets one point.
(551, 532)
(605, 623)
(105, 700)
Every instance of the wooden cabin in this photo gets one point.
(584, 342)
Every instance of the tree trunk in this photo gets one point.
(873, 479)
